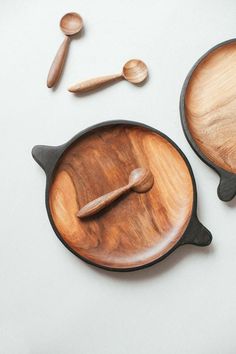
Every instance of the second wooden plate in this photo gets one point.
(208, 113)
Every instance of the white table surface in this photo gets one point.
(50, 301)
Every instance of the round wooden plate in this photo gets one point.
(138, 229)
(208, 112)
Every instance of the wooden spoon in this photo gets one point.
(70, 24)
(134, 71)
(140, 180)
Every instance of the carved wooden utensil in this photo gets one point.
(141, 229)
(134, 71)
(70, 24)
(208, 113)
(140, 180)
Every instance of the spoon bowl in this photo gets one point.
(141, 180)
(135, 71)
(71, 23)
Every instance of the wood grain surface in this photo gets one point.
(210, 106)
(138, 228)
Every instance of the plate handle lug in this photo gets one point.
(196, 234)
(227, 187)
(46, 156)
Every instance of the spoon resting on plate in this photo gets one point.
(70, 24)
(140, 180)
(134, 71)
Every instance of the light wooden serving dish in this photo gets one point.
(208, 113)
(138, 229)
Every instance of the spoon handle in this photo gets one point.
(93, 84)
(58, 63)
(98, 204)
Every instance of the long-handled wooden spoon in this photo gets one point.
(70, 24)
(134, 71)
(140, 180)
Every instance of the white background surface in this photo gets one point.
(50, 301)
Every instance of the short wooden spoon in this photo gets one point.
(140, 180)
(70, 24)
(134, 71)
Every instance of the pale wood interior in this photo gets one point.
(210, 106)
